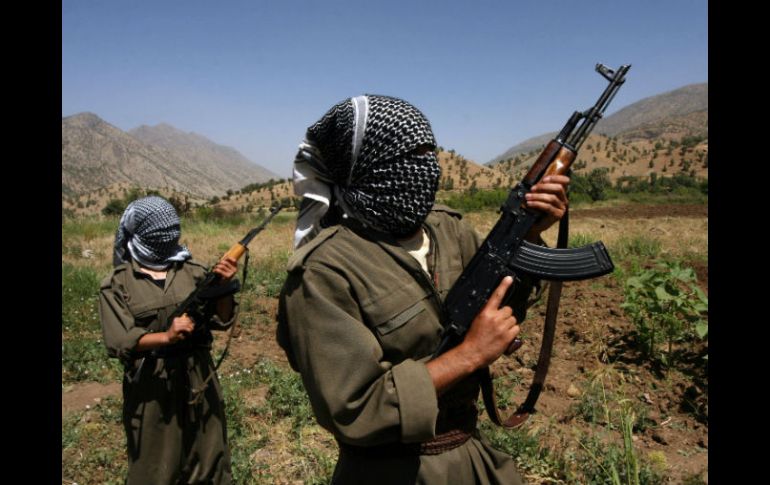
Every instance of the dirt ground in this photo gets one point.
(592, 339)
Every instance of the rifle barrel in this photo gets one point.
(595, 113)
(247, 239)
(239, 248)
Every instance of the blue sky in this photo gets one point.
(254, 75)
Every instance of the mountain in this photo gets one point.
(219, 161)
(96, 154)
(681, 112)
(656, 109)
(457, 174)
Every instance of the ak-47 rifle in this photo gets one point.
(505, 252)
(208, 288)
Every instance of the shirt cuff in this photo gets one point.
(418, 405)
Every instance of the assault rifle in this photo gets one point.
(209, 289)
(505, 252)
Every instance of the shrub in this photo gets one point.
(666, 304)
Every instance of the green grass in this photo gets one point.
(639, 247)
(93, 445)
(267, 275)
(527, 451)
(607, 463)
(286, 396)
(251, 426)
(84, 357)
(580, 239)
(89, 227)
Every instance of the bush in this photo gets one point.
(477, 200)
(666, 304)
(594, 185)
(114, 207)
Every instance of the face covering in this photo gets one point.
(149, 231)
(360, 158)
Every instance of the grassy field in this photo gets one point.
(597, 421)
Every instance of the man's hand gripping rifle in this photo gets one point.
(505, 252)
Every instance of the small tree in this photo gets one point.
(114, 207)
(181, 206)
(598, 182)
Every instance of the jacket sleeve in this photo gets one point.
(361, 398)
(118, 329)
(216, 323)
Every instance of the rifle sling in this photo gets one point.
(549, 331)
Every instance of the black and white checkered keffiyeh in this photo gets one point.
(149, 231)
(359, 157)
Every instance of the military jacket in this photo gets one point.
(169, 440)
(359, 318)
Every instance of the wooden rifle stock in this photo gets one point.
(554, 160)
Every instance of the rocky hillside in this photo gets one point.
(658, 109)
(624, 156)
(221, 162)
(665, 134)
(673, 115)
(96, 154)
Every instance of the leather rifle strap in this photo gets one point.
(549, 331)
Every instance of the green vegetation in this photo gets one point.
(635, 248)
(83, 355)
(476, 200)
(115, 207)
(594, 405)
(666, 305)
(580, 239)
(267, 275)
(99, 431)
(265, 185)
(271, 430)
(596, 186)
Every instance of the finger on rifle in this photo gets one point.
(499, 293)
(549, 206)
(546, 191)
(556, 179)
(226, 267)
(547, 198)
(229, 261)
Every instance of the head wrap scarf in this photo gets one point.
(359, 158)
(149, 231)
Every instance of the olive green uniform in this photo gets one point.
(359, 318)
(169, 440)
